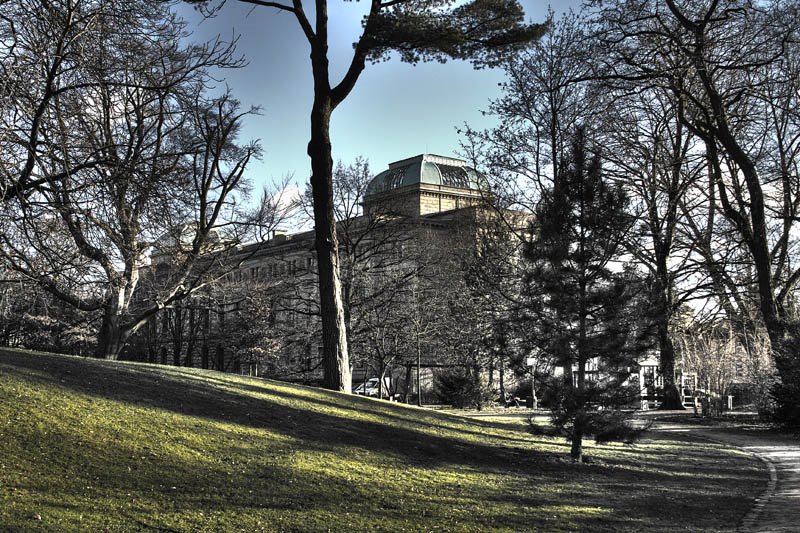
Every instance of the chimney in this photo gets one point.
(280, 235)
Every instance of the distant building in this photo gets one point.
(419, 207)
(262, 318)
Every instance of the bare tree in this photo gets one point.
(545, 97)
(164, 162)
(730, 66)
(32, 318)
(717, 357)
(379, 256)
(655, 156)
(43, 44)
(430, 30)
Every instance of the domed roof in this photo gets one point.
(427, 168)
(181, 238)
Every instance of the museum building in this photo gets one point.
(419, 207)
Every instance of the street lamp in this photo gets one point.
(530, 362)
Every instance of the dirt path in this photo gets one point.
(778, 508)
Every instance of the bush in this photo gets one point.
(522, 389)
(615, 426)
(462, 389)
(786, 390)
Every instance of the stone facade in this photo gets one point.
(261, 318)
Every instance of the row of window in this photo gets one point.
(291, 267)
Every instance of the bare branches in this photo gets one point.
(360, 54)
(276, 5)
(123, 147)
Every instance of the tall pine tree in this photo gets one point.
(581, 301)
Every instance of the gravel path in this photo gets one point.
(778, 508)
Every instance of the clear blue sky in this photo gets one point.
(396, 110)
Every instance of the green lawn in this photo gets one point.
(97, 445)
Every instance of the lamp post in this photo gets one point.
(531, 363)
(419, 373)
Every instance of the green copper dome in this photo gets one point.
(429, 169)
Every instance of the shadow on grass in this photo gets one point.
(276, 409)
(397, 412)
(538, 480)
(204, 394)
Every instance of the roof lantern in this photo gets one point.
(428, 169)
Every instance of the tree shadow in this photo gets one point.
(398, 412)
(280, 411)
(640, 475)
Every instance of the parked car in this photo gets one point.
(368, 388)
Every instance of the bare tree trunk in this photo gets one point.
(220, 357)
(672, 396)
(177, 335)
(579, 423)
(336, 362)
(419, 373)
(407, 395)
(111, 337)
(502, 378)
(191, 341)
(576, 448)
(381, 375)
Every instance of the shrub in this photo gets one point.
(462, 389)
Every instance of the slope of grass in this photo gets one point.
(96, 445)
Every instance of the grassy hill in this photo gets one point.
(97, 445)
